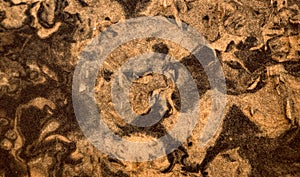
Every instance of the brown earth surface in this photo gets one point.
(257, 43)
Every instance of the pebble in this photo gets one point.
(6, 144)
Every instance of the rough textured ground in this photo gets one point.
(257, 42)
